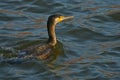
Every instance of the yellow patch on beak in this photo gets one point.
(61, 18)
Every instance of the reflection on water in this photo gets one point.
(88, 47)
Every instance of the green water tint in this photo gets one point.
(7, 53)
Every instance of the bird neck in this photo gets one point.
(52, 35)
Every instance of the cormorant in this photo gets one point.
(44, 51)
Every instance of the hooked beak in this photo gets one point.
(68, 17)
(62, 18)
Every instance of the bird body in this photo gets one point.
(42, 52)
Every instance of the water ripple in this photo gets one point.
(88, 48)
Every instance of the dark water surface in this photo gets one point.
(88, 48)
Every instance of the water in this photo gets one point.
(88, 48)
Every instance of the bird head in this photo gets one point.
(54, 19)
